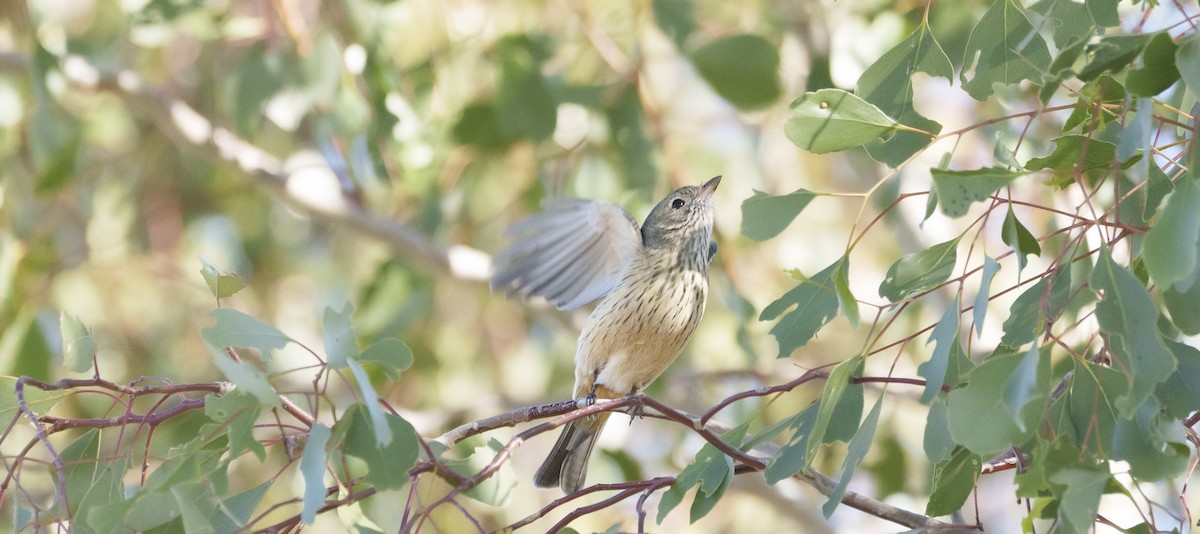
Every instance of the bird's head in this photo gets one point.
(684, 219)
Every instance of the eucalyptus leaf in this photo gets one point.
(830, 120)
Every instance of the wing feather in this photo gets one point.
(573, 252)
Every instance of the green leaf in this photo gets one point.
(1004, 48)
(887, 83)
(846, 301)
(920, 271)
(59, 170)
(1080, 500)
(383, 433)
(743, 69)
(1185, 315)
(237, 411)
(36, 399)
(765, 216)
(938, 443)
(1158, 71)
(496, 490)
(1022, 386)
(79, 349)
(340, 345)
(1104, 12)
(953, 481)
(196, 506)
(1091, 404)
(1019, 238)
(1170, 248)
(792, 457)
(957, 190)
(387, 466)
(635, 151)
(1072, 24)
(979, 309)
(1150, 443)
(1180, 393)
(236, 329)
(983, 400)
(816, 303)
(1127, 315)
(235, 511)
(830, 120)
(479, 125)
(860, 444)
(1112, 54)
(713, 483)
(944, 336)
(708, 468)
(1075, 154)
(676, 19)
(246, 377)
(312, 468)
(1187, 60)
(221, 283)
(1032, 311)
(524, 103)
(390, 354)
(836, 387)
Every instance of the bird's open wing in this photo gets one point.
(573, 252)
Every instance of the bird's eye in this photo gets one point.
(677, 203)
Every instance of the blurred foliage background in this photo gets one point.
(443, 123)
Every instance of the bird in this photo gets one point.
(653, 284)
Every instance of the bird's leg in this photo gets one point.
(637, 410)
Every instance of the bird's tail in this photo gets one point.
(567, 464)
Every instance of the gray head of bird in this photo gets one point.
(682, 220)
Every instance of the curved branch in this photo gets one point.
(187, 126)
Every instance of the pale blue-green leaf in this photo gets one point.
(339, 336)
(1180, 394)
(676, 19)
(1181, 304)
(979, 310)
(1112, 54)
(713, 485)
(383, 433)
(1128, 316)
(816, 303)
(957, 190)
(1080, 501)
(221, 283)
(1004, 48)
(1170, 248)
(1136, 136)
(235, 511)
(982, 400)
(830, 120)
(1021, 388)
(860, 444)
(1187, 60)
(196, 505)
(765, 216)
(920, 271)
(246, 377)
(236, 329)
(312, 468)
(392, 356)
(1154, 446)
(944, 335)
(237, 412)
(79, 349)
(938, 442)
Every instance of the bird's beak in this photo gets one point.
(709, 187)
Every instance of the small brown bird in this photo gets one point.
(654, 282)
